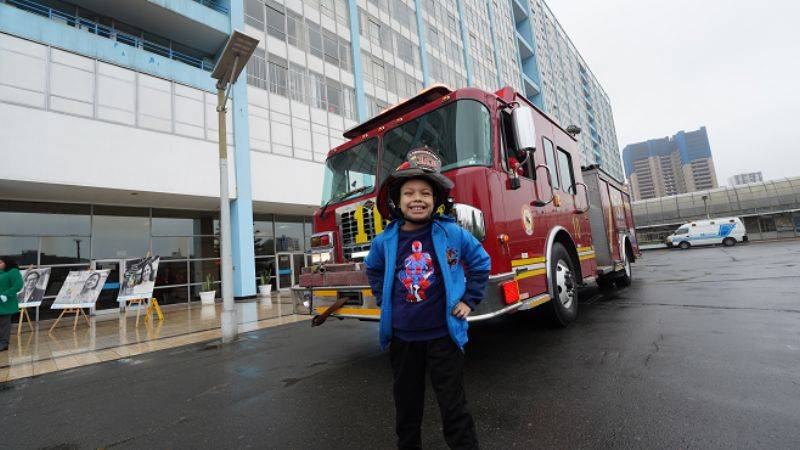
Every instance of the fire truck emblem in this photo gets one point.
(418, 273)
(576, 225)
(527, 220)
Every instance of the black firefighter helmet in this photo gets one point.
(423, 164)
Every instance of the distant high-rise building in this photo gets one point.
(671, 165)
(746, 178)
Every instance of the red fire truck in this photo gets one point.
(549, 225)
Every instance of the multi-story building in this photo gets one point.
(109, 135)
(746, 178)
(671, 165)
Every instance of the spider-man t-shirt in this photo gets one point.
(418, 297)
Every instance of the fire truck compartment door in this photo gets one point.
(599, 216)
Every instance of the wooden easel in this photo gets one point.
(151, 307)
(77, 311)
(23, 312)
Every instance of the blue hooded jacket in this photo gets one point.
(456, 250)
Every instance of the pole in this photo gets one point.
(228, 318)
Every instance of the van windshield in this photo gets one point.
(681, 231)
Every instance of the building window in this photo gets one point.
(277, 75)
(276, 20)
(254, 13)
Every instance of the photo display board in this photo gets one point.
(139, 278)
(80, 289)
(34, 285)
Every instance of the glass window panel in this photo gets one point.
(34, 218)
(565, 169)
(254, 13)
(309, 231)
(204, 247)
(171, 295)
(172, 272)
(201, 270)
(289, 235)
(264, 245)
(23, 250)
(120, 236)
(176, 247)
(314, 39)
(276, 21)
(184, 223)
(266, 266)
(64, 250)
(262, 226)
(550, 160)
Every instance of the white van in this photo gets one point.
(726, 231)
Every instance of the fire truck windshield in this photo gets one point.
(351, 172)
(459, 132)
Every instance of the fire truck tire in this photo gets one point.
(684, 245)
(626, 275)
(563, 288)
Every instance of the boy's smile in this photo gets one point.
(416, 200)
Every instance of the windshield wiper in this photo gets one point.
(342, 196)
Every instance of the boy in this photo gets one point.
(416, 269)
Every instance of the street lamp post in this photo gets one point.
(234, 57)
(705, 204)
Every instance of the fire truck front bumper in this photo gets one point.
(360, 303)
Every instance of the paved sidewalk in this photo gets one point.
(110, 337)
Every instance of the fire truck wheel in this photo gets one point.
(563, 288)
(625, 276)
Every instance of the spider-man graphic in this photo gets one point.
(418, 273)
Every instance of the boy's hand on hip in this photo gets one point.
(461, 310)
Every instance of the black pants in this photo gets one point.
(445, 363)
(5, 330)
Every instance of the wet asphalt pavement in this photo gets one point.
(703, 351)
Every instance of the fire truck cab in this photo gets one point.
(548, 225)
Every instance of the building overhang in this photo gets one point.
(187, 22)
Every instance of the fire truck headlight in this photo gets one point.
(471, 219)
(322, 257)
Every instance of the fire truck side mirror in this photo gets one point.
(524, 128)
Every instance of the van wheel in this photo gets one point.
(684, 245)
(563, 288)
(626, 276)
(729, 242)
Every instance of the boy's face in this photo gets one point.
(416, 200)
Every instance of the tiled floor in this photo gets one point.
(109, 337)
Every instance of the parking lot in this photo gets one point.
(703, 351)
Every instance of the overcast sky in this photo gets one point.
(731, 65)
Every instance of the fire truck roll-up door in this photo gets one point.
(600, 218)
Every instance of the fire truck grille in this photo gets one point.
(357, 238)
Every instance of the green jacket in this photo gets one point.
(10, 285)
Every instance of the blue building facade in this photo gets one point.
(133, 78)
(672, 165)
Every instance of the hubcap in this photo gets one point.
(565, 284)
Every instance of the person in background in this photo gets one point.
(10, 285)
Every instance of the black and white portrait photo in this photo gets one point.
(80, 289)
(34, 284)
(139, 278)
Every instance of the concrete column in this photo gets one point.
(244, 264)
